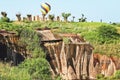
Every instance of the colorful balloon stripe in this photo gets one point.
(48, 5)
(45, 8)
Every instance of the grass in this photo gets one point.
(12, 73)
(85, 29)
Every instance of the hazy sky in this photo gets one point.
(94, 10)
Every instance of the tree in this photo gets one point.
(18, 17)
(4, 17)
(43, 16)
(4, 14)
(82, 19)
(51, 17)
(65, 16)
(73, 18)
(58, 18)
(29, 17)
(101, 20)
(24, 19)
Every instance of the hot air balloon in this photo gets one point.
(45, 8)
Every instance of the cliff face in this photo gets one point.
(9, 48)
(71, 61)
(106, 65)
(74, 60)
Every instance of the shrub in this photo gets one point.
(5, 19)
(100, 77)
(37, 68)
(114, 77)
(30, 39)
(51, 17)
(107, 33)
(117, 75)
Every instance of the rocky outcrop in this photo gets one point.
(9, 48)
(72, 61)
(106, 65)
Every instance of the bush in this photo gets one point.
(114, 77)
(5, 19)
(107, 33)
(34, 67)
(100, 77)
(38, 68)
(117, 75)
(30, 39)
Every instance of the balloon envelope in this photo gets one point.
(45, 8)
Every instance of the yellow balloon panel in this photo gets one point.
(43, 11)
(45, 8)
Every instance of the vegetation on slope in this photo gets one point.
(36, 66)
(104, 37)
(106, 42)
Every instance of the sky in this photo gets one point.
(94, 10)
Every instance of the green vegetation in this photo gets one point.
(91, 31)
(51, 17)
(4, 17)
(33, 68)
(82, 19)
(107, 34)
(104, 38)
(116, 76)
(30, 69)
(65, 16)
